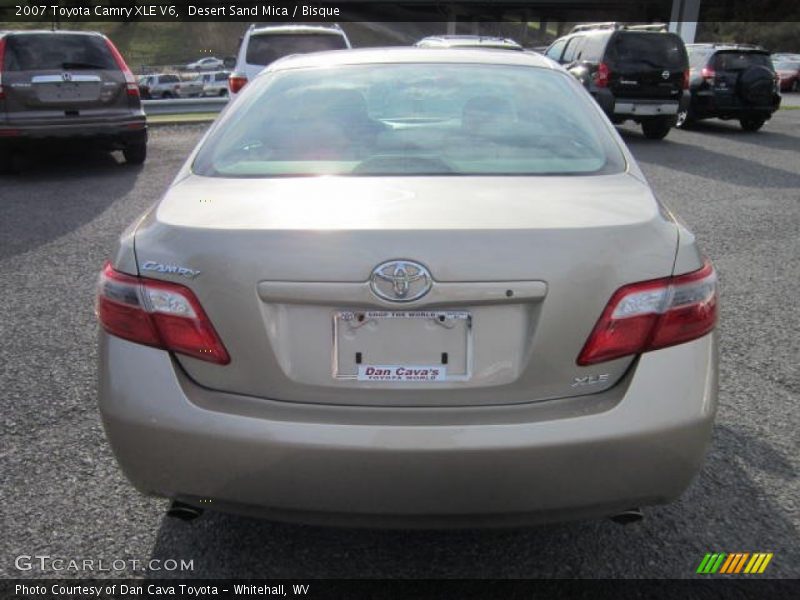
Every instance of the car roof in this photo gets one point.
(283, 29)
(406, 54)
(17, 32)
(469, 40)
(726, 47)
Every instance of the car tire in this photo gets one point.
(166, 95)
(656, 129)
(795, 86)
(752, 123)
(755, 85)
(7, 163)
(135, 150)
(223, 93)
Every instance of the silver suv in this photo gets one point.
(67, 85)
(263, 45)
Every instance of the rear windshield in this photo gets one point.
(411, 119)
(656, 50)
(266, 48)
(788, 66)
(739, 61)
(53, 52)
(169, 79)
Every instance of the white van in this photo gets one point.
(262, 45)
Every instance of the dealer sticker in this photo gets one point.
(406, 373)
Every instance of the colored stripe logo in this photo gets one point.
(734, 563)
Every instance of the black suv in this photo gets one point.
(731, 81)
(58, 85)
(634, 72)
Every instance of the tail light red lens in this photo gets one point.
(602, 76)
(654, 314)
(131, 86)
(2, 62)
(236, 83)
(708, 74)
(157, 313)
(686, 79)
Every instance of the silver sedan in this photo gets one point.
(410, 287)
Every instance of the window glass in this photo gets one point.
(411, 119)
(655, 50)
(739, 61)
(593, 48)
(52, 52)
(573, 48)
(267, 48)
(555, 50)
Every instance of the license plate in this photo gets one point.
(402, 346)
(645, 109)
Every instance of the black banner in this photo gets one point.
(711, 11)
(744, 587)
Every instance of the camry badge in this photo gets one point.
(400, 281)
(152, 265)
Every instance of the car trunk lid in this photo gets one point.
(522, 268)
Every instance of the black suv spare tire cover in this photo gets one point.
(755, 84)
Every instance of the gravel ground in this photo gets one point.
(62, 495)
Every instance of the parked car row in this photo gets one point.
(788, 68)
(647, 74)
(80, 82)
(172, 85)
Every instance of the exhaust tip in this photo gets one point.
(626, 517)
(183, 511)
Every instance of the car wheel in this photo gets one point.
(752, 123)
(223, 93)
(795, 86)
(135, 150)
(656, 129)
(7, 165)
(166, 95)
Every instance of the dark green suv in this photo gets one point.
(731, 81)
(58, 85)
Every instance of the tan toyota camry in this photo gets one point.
(413, 287)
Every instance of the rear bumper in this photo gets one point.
(705, 104)
(67, 127)
(637, 107)
(645, 108)
(638, 443)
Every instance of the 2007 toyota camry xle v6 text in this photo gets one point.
(413, 287)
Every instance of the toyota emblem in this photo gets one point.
(400, 281)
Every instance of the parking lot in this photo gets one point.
(62, 494)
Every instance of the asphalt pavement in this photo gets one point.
(62, 494)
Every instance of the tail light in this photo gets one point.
(236, 83)
(130, 81)
(157, 313)
(708, 74)
(602, 75)
(686, 79)
(2, 62)
(654, 314)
